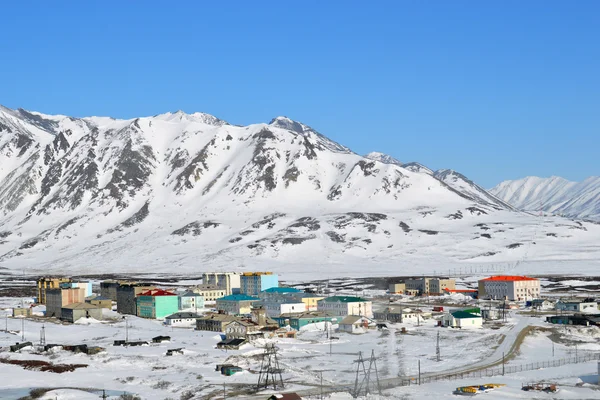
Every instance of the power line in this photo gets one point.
(363, 383)
(270, 373)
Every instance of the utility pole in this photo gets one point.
(224, 391)
(437, 347)
(104, 396)
(552, 349)
(502, 363)
(23, 329)
(6, 329)
(43, 336)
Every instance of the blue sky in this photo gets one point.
(493, 90)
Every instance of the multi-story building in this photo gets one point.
(252, 283)
(397, 288)
(209, 292)
(108, 289)
(215, 322)
(345, 305)
(190, 300)
(56, 299)
(229, 281)
(297, 321)
(433, 286)
(275, 309)
(236, 304)
(157, 304)
(48, 283)
(513, 288)
(87, 286)
(126, 297)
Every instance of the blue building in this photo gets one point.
(189, 300)
(252, 283)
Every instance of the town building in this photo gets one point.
(127, 294)
(513, 288)
(577, 305)
(429, 286)
(275, 308)
(73, 312)
(236, 304)
(108, 288)
(298, 321)
(279, 294)
(182, 319)
(46, 283)
(397, 288)
(157, 304)
(399, 315)
(210, 293)
(240, 329)
(87, 286)
(310, 300)
(215, 322)
(542, 304)
(252, 283)
(56, 299)
(22, 312)
(191, 300)
(100, 301)
(345, 305)
(228, 281)
(356, 324)
(462, 320)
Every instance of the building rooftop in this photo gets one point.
(96, 297)
(239, 297)
(344, 299)
(157, 292)
(511, 278)
(460, 290)
(220, 317)
(307, 314)
(464, 314)
(183, 315)
(80, 306)
(190, 294)
(282, 290)
(351, 319)
(207, 287)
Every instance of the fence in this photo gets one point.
(502, 369)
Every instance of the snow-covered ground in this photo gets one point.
(148, 372)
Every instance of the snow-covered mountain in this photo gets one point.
(553, 195)
(383, 158)
(192, 192)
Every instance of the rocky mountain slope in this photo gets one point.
(191, 192)
(553, 195)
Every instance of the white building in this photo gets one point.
(356, 324)
(513, 288)
(228, 281)
(275, 309)
(578, 305)
(342, 306)
(462, 320)
(209, 292)
(182, 319)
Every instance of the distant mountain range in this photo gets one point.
(553, 195)
(192, 192)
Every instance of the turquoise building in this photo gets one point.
(297, 321)
(157, 304)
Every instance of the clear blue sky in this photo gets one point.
(495, 91)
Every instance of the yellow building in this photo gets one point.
(311, 301)
(48, 283)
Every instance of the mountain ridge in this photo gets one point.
(190, 189)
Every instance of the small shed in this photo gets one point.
(231, 343)
(170, 352)
(462, 319)
(356, 324)
(18, 346)
(160, 339)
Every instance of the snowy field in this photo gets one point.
(147, 372)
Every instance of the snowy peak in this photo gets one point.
(383, 158)
(417, 167)
(180, 116)
(553, 195)
(308, 132)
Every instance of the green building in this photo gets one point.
(297, 321)
(157, 304)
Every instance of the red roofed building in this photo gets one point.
(509, 287)
(157, 304)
